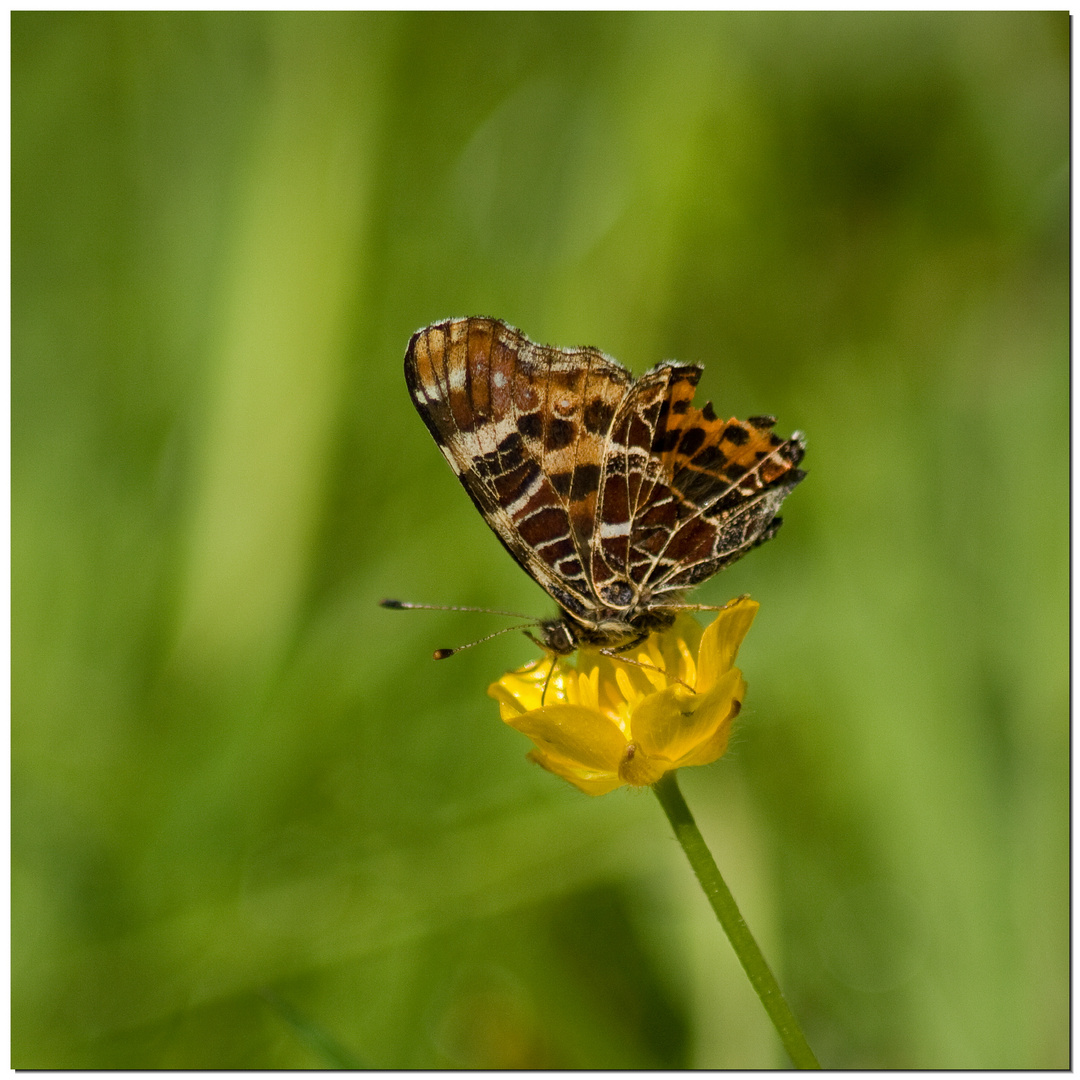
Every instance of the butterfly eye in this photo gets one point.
(556, 636)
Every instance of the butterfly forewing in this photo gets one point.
(524, 427)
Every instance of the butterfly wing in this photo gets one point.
(683, 492)
(523, 426)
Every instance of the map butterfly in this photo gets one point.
(615, 494)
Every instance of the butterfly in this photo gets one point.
(614, 494)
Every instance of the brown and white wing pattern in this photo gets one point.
(524, 426)
(613, 494)
(683, 492)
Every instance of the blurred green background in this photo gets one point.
(254, 824)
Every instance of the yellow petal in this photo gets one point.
(592, 783)
(626, 684)
(658, 718)
(721, 640)
(516, 689)
(717, 743)
(673, 645)
(580, 736)
(672, 724)
(687, 669)
(509, 703)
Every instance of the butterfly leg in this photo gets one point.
(614, 655)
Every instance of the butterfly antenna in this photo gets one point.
(407, 605)
(442, 654)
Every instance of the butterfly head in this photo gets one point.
(619, 630)
(557, 636)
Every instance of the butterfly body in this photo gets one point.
(615, 494)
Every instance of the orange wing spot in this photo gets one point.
(749, 446)
(426, 344)
(695, 431)
(759, 450)
(699, 443)
(479, 346)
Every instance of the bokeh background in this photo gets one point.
(254, 825)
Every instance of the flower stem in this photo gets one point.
(727, 911)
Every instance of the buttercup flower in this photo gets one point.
(605, 722)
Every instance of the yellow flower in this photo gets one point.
(605, 722)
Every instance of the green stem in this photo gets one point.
(727, 911)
